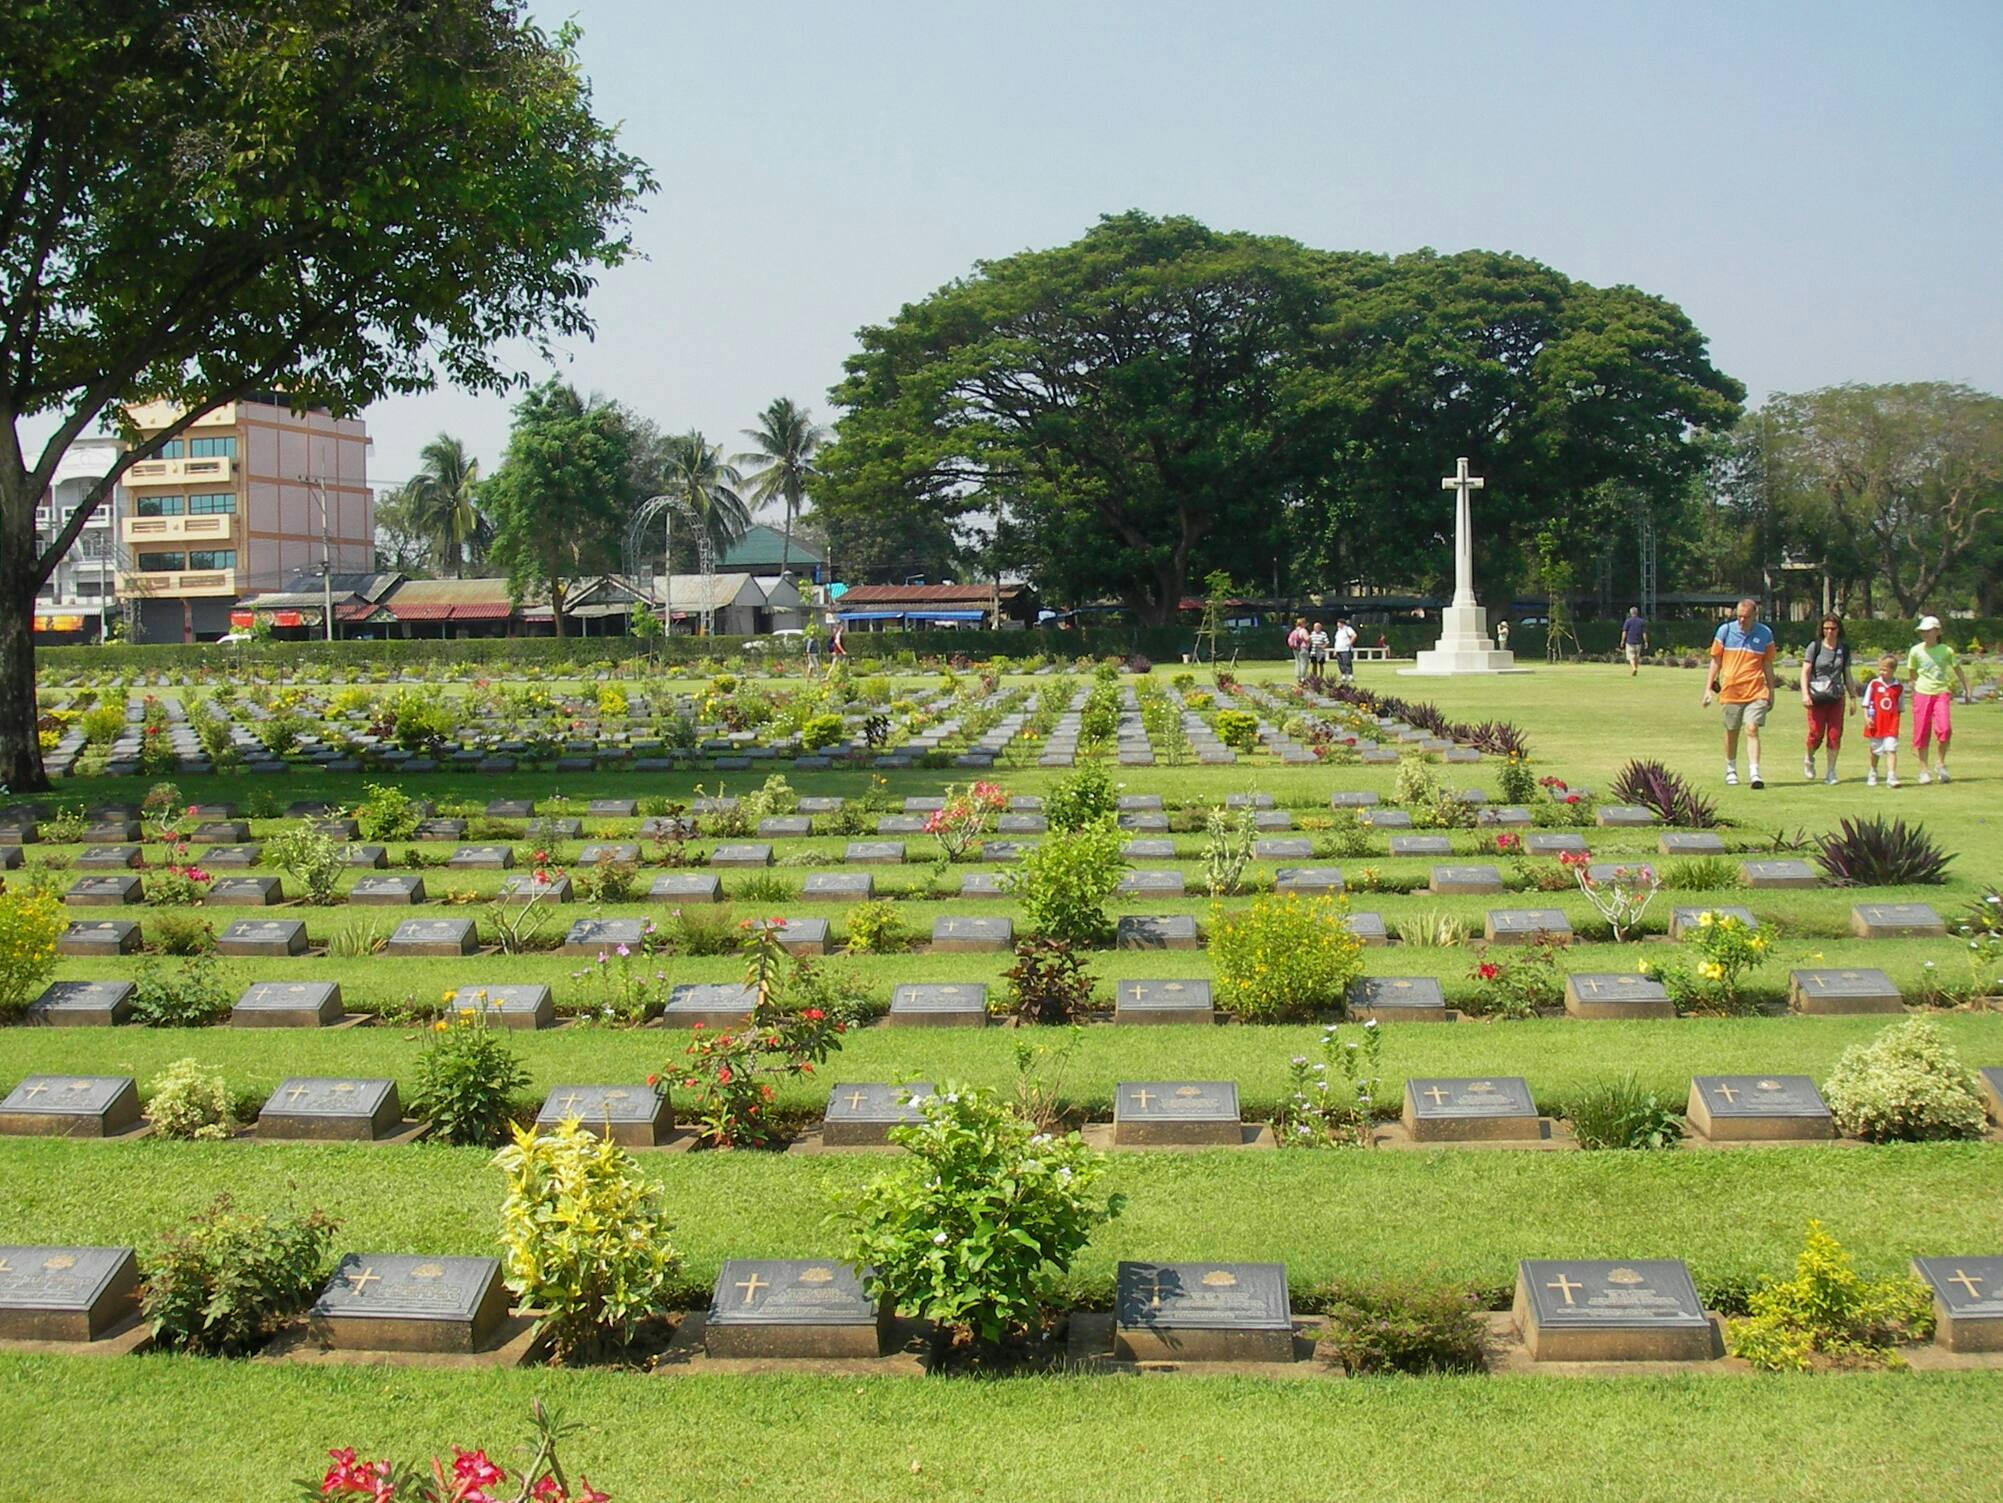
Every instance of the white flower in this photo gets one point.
(939, 1239)
(952, 1098)
(1039, 1140)
(1064, 1176)
(1030, 1166)
(1300, 1059)
(1370, 1023)
(1321, 1069)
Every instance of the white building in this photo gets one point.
(83, 589)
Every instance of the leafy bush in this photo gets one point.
(1081, 798)
(877, 928)
(467, 1077)
(31, 922)
(1655, 786)
(1416, 785)
(311, 857)
(609, 879)
(1623, 1113)
(1316, 1113)
(193, 995)
(223, 1284)
(822, 731)
(1829, 1311)
(1346, 836)
(1727, 951)
(1879, 852)
(386, 813)
(704, 929)
(186, 1101)
(65, 826)
(421, 720)
(1516, 781)
(583, 1238)
(1514, 982)
(102, 724)
(1699, 874)
(1404, 1326)
(1048, 982)
(1238, 729)
(836, 990)
(973, 1228)
(1227, 849)
(279, 734)
(1064, 881)
(1433, 927)
(1906, 1085)
(763, 887)
(1285, 956)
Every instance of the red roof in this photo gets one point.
(925, 594)
(416, 612)
(483, 610)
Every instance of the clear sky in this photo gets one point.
(1816, 183)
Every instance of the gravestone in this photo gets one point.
(838, 887)
(1601, 995)
(1989, 1083)
(861, 1116)
(1464, 1110)
(441, 829)
(220, 832)
(962, 1004)
(331, 1110)
(612, 808)
(110, 858)
(1585, 1311)
(1896, 921)
(1148, 850)
(482, 858)
(104, 892)
(824, 805)
(793, 1308)
(527, 1006)
(1522, 926)
(1163, 1002)
(982, 885)
(1421, 845)
(288, 1004)
(1172, 931)
(1548, 843)
(245, 892)
(741, 855)
(633, 1116)
(1176, 1113)
(1507, 816)
(592, 935)
(1352, 800)
(1822, 992)
(686, 887)
(395, 1302)
(1397, 999)
(712, 1004)
(1698, 844)
(929, 804)
(901, 824)
(785, 826)
(82, 1004)
(387, 892)
(1757, 1108)
(71, 1106)
(1683, 920)
(1129, 803)
(969, 935)
(593, 855)
(1005, 850)
(1625, 817)
(1202, 1312)
(1465, 879)
(1144, 824)
(231, 858)
(1368, 927)
(263, 937)
(511, 808)
(1155, 884)
(1022, 824)
(799, 936)
(99, 937)
(1778, 874)
(1283, 848)
(1308, 879)
(874, 852)
(1386, 819)
(1967, 1301)
(439, 936)
(66, 1293)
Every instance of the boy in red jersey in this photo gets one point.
(1883, 699)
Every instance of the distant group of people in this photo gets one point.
(1742, 679)
(1312, 647)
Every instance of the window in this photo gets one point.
(159, 506)
(212, 448)
(221, 558)
(213, 503)
(92, 544)
(172, 449)
(162, 563)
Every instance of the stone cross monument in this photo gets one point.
(1465, 645)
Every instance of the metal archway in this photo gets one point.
(666, 508)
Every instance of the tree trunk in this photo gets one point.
(786, 541)
(20, 743)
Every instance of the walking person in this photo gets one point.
(1634, 639)
(1930, 662)
(1345, 651)
(1741, 679)
(1828, 693)
(1297, 644)
(1502, 636)
(1317, 653)
(1882, 698)
(837, 653)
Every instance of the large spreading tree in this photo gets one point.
(200, 200)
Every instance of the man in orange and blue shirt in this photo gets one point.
(1741, 678)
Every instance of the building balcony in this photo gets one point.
(209, 528)
(209, 472)
(151, 417)
(151, 586)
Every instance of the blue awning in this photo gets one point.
(872, 615)
(947, 615)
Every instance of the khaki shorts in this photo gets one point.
(1752, 713)
(1634, 653)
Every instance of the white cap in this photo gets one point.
(1929, 623)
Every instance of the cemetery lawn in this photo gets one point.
(142, 1429)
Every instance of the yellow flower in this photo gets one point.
(446, 997)
(439, 1026)
(1711, 971)
(1707, 918)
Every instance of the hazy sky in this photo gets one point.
(1817, 184)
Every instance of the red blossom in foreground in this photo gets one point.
(1488, 970)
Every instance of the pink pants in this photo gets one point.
(1932, 719)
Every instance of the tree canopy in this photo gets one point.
(201, 200)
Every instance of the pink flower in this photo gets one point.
(623, 952)
(474, 1467)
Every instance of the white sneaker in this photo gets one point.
(1830, 780)
(1808, 768)
(1925, 779)
(1753, 777)
(1871, 780)
(1731, 777)
(1941, 774)
(1892, 780)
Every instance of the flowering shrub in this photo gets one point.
(1081, 798)
(1727, 950)
(30, 924)
(1508, 843)
(583, 1238)
(1621, 899)
(468, 1075)
(1515, 781)
(629, 987)
(1514, 982)
(1048, 982)
(1065, 880)
(312, 857)
(1227, 849)
(186, 1101)
(469, 1478)
(876, 928)
(222, 1285)
(820, 732)
(1329, 1101)
(1284, 956)
(973, 1228)
(1905, 1085)
(1238, 729)
(386, 813)
(518, 917)
(1828, 1310)
(193, 995)
(967, 815)
(180, 884)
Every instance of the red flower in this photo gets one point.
(766, 1092)
(653, 1080)
(588, 1493)
(474, 1467)
(813, 1015)
(1488, 970)
(723, 1076)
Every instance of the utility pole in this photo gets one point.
(319, 489)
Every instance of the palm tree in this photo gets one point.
(786, 439)
(444, 494)
(694, 470)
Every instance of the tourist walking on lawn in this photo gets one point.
(1828, 693)
(1882, 698)
(1345, 651)
(1741, 679)
(1317, 653)
(1634, 639)
(1297, 644)
(1930, 662)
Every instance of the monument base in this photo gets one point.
(1465, 647)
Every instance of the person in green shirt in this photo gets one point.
(1929, 663)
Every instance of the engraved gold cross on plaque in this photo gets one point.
(1437, 1094)
(34, 1090)
(855, 1099)
(1564, 1286)
(299, 1090)
(569, 1103)
(751, 1286)
(360, 1281)
(1968, 1282)
(1727, 1092)
(1143, 1097)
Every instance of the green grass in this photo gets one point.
(175, 1428)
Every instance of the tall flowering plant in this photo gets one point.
(1621, 898)
(469, 1477)
(965, 818)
